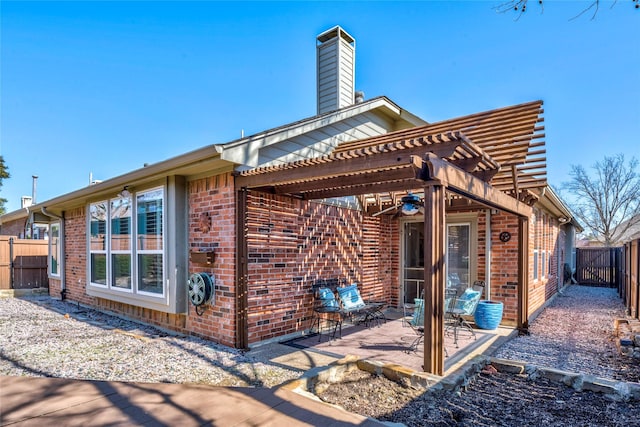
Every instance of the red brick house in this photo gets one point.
(268, 215)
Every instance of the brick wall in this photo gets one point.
(504, 265)
(212, 228)
(551, 242)
(75, 256)
(292, 243)
(504, 272)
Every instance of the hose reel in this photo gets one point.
(201, 291)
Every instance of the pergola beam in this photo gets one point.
(334, 166)
(467, 185)
(410, 171)
(373, 188)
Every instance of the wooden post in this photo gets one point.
(434, 278)
(242, 288)
(11, 265)
(523, 274)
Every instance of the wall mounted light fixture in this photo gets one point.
(125, 193)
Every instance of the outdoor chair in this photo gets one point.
(327, 310)
(357, 309)
(460, 306)
(415, 320)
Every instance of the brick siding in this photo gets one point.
(212, 228)
(292, 243)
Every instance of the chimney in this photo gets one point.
(25, 202)
(33, 189)
(336, 56)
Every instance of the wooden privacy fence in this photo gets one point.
(630, 291)
(599, 267)
(23, 263)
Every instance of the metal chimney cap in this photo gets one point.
(333, 33)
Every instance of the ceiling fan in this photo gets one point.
(410, 204)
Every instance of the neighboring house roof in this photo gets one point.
(631, 233)
(306, 138)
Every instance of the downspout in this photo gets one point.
(560, 268)
(63, 287)
(487, 263)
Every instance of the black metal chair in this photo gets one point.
(327, 311)
(459, 307)
(414, 319)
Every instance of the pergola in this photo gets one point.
(492, 159)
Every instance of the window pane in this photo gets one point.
(99, 269)
(98, 218)
(121, 274)
(150, 220)
(121, 224)
(458, 252)
(54, 251)
(150, 273)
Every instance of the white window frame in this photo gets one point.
(536, 244)
(58, 249)
(133, 292)
(175, 250)
(92, 251)
(471, 265)
(113, 251)
(161, 251)
(543, 247)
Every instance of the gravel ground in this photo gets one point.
(574, 333)
(45, 337)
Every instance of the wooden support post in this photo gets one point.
(434, 278)
(523, 275)
(242, 290)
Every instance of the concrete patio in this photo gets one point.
(387, 342)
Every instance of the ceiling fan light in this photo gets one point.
(410, 204)
(410, 209)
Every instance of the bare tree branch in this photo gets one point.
(609, 204)
(521, 6)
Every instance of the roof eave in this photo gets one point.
(191, 163)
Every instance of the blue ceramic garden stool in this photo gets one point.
(488, 314)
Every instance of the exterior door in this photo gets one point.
(460, 264)
(458, 255)
(413, 260)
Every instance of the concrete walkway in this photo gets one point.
(27, 401)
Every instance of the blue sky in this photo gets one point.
(103, 87)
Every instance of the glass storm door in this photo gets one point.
(457, 261)
(413, 263)
(458, 253)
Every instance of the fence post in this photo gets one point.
(11, 263)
